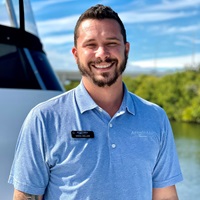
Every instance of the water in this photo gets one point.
(187, 138)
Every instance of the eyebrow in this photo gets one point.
(108, 38)
(113, 38)
(89, 40)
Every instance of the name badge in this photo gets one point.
(82, 134)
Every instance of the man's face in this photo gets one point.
(101, 54)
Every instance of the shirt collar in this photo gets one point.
(128, 101)
(85, 101)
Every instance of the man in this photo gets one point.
(97, 141)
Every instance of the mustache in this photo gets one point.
(108, 60)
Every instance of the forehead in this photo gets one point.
(99, 28)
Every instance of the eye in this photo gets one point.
(112, 44)
(90, 45)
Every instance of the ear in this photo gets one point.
(127, 48)
(74, 52)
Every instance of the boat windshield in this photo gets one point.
(10, 15)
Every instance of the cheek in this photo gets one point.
(83, 58)
(86, 56)
(119, 52)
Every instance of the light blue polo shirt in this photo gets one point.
(130, 154)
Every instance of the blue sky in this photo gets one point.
(164, 34)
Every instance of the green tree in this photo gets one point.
(178, 93)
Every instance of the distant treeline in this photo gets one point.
(177, 93)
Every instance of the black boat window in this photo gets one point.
(15, 71)
(23, 63)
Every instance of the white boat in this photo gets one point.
(26, 78)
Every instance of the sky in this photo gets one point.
(163, 34)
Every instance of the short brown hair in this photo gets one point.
(99, 12)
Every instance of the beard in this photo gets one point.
(107, 79)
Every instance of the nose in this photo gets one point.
(102, 52)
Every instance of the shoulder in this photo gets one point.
(55, 103)
(148, 111)
(141, 103)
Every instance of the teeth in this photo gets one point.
(102, 66)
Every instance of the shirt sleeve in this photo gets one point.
(167, 170)
(30, 172)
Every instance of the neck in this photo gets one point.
(108, 98)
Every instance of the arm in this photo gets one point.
(168, 193)
(18, 195)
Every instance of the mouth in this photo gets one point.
(103, 65)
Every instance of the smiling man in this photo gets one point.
(97, 141)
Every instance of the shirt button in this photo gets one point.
(111, 125)
(113, 146)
